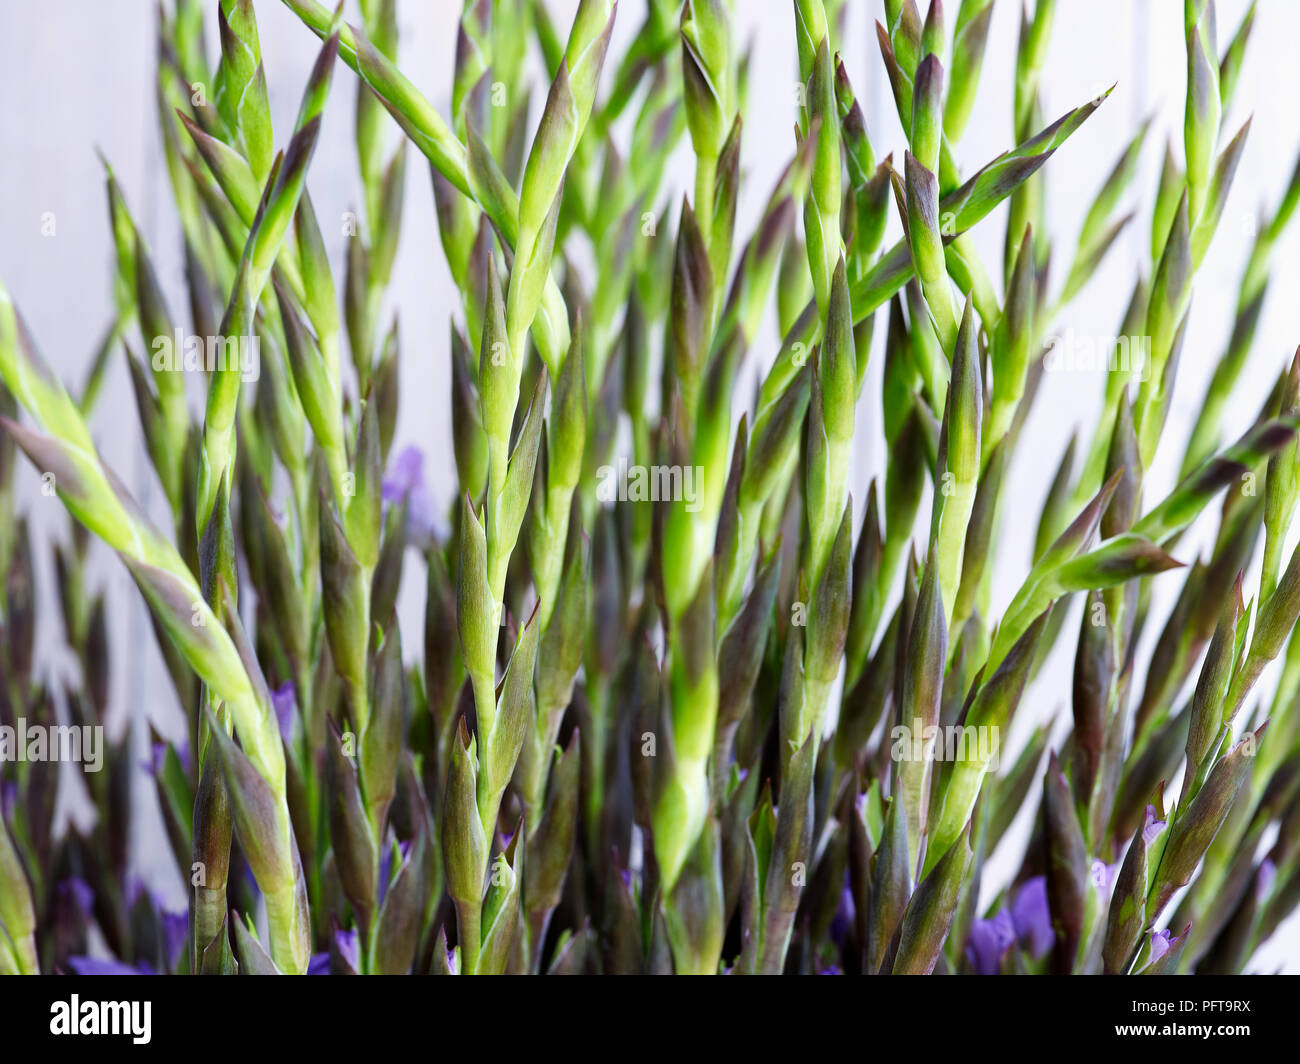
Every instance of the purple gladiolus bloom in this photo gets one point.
(319, 964)
(989, 941)
(283, 700)
(1032, 918)
(1102, 876)
(349, 947)
(100, 966)
(406, 475)
(1161, 943)
(405, 483)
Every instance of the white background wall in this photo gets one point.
(79, 77)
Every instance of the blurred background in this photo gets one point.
(79, 80)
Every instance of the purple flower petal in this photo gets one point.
(845, 917)
(1152, 826)
(250, 881)
(405, 483)
(406, 474)
(1102, 876)
(1032, 918)
(349, 947)
(157, 758)
(319, 964)
(1265, 877)
(100, 966)
(385, 870)
(1161, 943)
(175, 928)
(832, 969)
(283, 701)
(989, 941)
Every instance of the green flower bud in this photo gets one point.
(931, 910)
